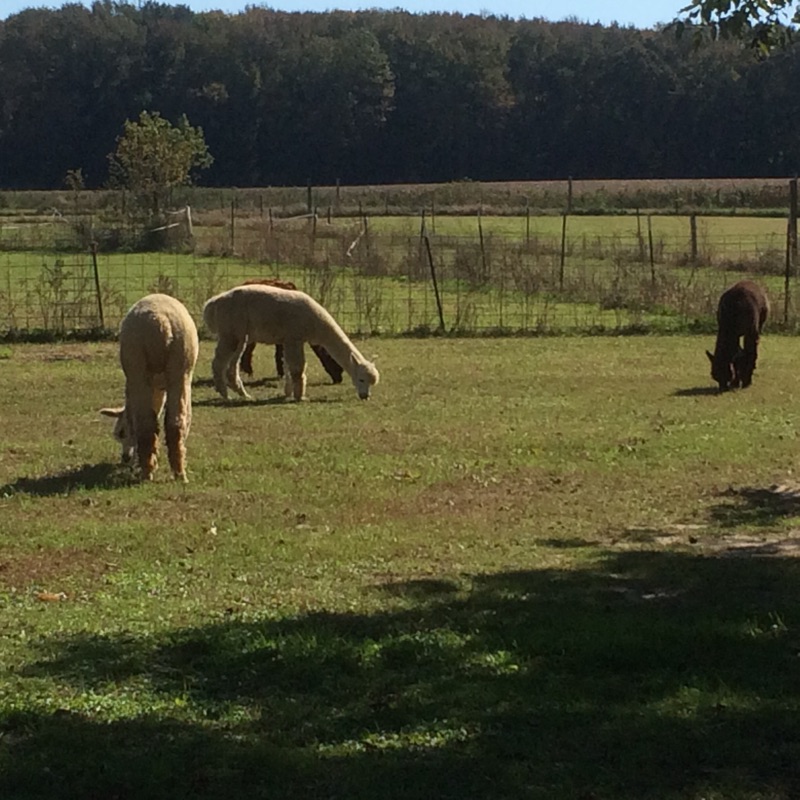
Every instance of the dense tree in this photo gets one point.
(389, 96)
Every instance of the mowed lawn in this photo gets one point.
(526, 568)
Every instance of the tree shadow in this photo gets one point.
(643, 675)
(105, 475)
(753, 505)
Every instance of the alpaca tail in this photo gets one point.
(210, 316)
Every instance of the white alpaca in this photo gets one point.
(158, 347)
(271, 315)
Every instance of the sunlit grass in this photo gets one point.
(526, 567)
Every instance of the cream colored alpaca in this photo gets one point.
(158, 351)
(272, 315)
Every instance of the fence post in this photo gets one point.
(527, 221)
(483, 246)
(97, 285)
(639, 237)
(693, 231)
(435, 283)
(788, 268)
(650, 244)
(569, 194)
(233, 224)
(563, 250)
(793, 218)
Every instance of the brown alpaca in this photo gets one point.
(742, 312)
(333, 369)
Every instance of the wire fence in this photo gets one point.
(550, 276)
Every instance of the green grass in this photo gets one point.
(526, 568)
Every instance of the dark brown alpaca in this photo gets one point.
(333, 369)
(742, 312)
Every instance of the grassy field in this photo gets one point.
(540, 568)
(732, 195)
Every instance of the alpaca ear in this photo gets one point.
(112, 412)
(710, 357)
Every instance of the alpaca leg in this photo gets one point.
(219, 365)
(246, 361)
(159, 395)
(331, 366)
(178, 420)
(295, 358)
(142, 424)
(749, 358)
(234, 379)
(279, 360)
(139, 402)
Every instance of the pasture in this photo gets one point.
(532, 568)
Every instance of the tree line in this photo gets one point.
(388, 96)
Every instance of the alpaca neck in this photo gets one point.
(726, 346)
(337, 343)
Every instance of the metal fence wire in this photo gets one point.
(423, 276)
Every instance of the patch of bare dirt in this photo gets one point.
(53, 569)
(478, 496)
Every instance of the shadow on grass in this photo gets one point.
(238, 402)
(273, 382)
(751, 505)
(696, 391)
(277, 400)
(642, 676)
(89, 476)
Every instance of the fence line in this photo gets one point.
(381, 281)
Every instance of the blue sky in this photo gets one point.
(640, 13)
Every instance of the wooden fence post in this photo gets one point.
(563, 250)
(233, 224)
(483, 247)
(693, 232)
(97, 286)
(793, 218)
(435, 282)
(787, 272)
(527, 222)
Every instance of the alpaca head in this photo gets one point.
(364, 375)
(123, 432)
(724, 371)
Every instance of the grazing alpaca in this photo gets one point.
(246, 361)
(742, 311)
(271, 315)
(158, 351)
